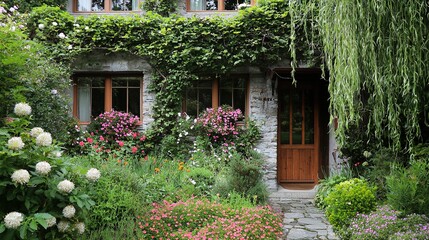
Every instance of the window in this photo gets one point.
(105, 5)
(96, 94)
(213, 93)
(213, 5)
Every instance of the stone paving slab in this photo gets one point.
(302, 220)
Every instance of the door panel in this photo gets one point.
(298, 134)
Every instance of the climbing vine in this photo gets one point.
(179, 49)
(378, 60)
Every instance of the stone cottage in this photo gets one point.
(297, 145)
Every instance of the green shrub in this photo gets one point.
(242, 175)
(28, 5)
(326, 186)
(408, 188)
(347, 199)
(202, 179)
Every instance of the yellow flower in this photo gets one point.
(157, 170)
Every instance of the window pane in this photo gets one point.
(309, 116)
(226, 83)
(119, 82)
(84, 101)
(119, 99)
(205, 100)
(232, 4)
(90, 5)
(97, 82)
(122, 5)
(297, 118)
(201, 5)
(284, 117)
(97, 101)
(192, 102)
(225, 97)
(239, 100)
(134, 101)
(134, 82)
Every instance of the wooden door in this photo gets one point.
(298, 131)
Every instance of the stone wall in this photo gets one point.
(263, 109)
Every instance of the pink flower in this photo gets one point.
(89, 140)
(101, 138)
(134, 149)
(121, 144)
(81, 143)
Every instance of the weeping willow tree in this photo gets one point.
(377, 53)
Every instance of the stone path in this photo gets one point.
(302, 220)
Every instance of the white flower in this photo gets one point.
(51, 221)
(54, 91)
(63, 226)
(192, 181)
(69, 211)
(179, 114)
(93, 174)
(80, 227)
(86, 28)
(20, 176)
(44, 139)
(41, 26)
(76, 25)
(57, 154)
(12, 9)
(70, 47)
(13, 220)
(22, 109)
(36, 131)
(43, 168)
(13, 28)
(243, 5)
(15, 143)
(62, 35)
(55, 23)
(65, 186)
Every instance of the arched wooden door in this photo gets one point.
(298, 134)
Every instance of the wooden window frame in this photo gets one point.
(216, 92)
(107, 8)
(221, 7)
(108, 91)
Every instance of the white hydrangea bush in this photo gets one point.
(32, 160)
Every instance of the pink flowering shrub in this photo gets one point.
(114, 125)
(202, 219)
(220, 124)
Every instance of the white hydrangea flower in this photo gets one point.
(15, 143)
(55, 23)
(36, 131)
(21, 176)
(93, 174)
(44, 139)
(43, 168)
(62, 35)
(80, 227)
(63, 226)
(22, 109)
(13, 220)
(70, 47)
(41, 26)
(51, 221)
(54, 92)
(69, 211)
(65, 186)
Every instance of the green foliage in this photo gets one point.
(408, 188)
(161, 7)
(33, 182)
(347, 199)
(28, 5)
(326, 186)
(244, 176)
(124, 229)
(258, 36)
(377, 55)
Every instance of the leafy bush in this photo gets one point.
(28, 5)
(244, 176)
(385, 223)
(347, 199)
(162, 7)
(202, 219)
(408, 188)
(326, 186)
(38, 187)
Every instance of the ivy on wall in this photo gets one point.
(179, 49)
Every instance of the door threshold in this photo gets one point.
(298, 186)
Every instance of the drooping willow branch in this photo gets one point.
(377, 53)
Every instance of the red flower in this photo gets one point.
(121, 144)
(81, 143)
(101, 138)
(90, 140)
(143, 138)
(134, 149)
